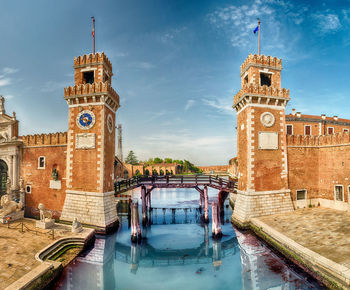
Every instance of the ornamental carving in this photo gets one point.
(267, 119)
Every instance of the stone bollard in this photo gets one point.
(135, 223)
(216, 225)
(206, 205)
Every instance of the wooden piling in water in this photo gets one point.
(144, 204)
(135, 223)
(206, 205)
(216, 224)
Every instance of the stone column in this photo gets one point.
(15, 172)
(11, 171)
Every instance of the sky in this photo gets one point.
(176, 65)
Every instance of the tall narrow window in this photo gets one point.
(307, 130)
(330, 130)
(338, 192)
(289, 129)
(41, 162)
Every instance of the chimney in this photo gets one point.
(323, 116)
(298, 114)
(335, 118)
(293, 112)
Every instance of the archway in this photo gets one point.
(3, 176)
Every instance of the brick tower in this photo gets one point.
(91, 143)
(261, 140)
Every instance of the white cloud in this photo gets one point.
(327, 23)
(181, 144)
(142, 65)
(9, 70)
(8, 97)
(51, 86)
(5, 82)
(189, 104)
(171, 34)
(239, 21)
(223, 105)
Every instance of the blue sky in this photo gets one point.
(176, 64)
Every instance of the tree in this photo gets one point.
(131, 158)
(157, 160)
(168, 160)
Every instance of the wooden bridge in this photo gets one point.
(175, 181)
(148, 183)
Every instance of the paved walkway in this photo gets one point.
(17, 249)
(324, 231)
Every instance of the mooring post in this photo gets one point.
(134, 214)
(206, 205)
(216, 225)
(149, 200)
(144, 204)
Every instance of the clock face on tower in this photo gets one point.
(85, 119)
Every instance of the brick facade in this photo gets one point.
(306, 164)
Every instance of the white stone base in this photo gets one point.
(17, 215)
(249, 205)
(92, 208)
(47, 224)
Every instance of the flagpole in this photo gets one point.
(93, 31)
(259, 33)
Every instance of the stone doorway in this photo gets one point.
(3, 176)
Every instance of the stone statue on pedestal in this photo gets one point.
(76, 226)
(46, 220)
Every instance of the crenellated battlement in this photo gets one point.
(315, 141)
(90, 59)
(59, 138)
(260, 91)
(261, 60)
(91, 90)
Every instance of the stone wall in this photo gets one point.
(318, 163)
(214, 168)
(43, 190)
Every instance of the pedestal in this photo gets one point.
(47, 224)
(255, 204)
(91, 208)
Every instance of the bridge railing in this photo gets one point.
(174, 179)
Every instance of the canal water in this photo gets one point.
(179, 253)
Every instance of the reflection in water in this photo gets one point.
(177, 251)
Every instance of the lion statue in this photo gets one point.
(9, 206)
(44, 213)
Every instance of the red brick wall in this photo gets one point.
(217, 168)
(268, 164)
(109, 153)
(39, 179)
(319, 163)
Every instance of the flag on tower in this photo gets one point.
(93, 27)
(256, 29)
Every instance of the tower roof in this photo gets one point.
(92, 59)
(261, 61)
